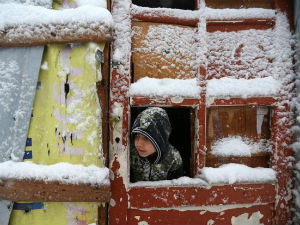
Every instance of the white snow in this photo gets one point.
(98, 3)
(238, 146)
(152, 87)
(61, 172)
(182, 181)
(227, 86)
(237, 173)
(36, 15)
(226, 174)
(43, 3)
(209, 13)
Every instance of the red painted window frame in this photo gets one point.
(127, 198)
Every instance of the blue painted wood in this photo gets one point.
(19, 70)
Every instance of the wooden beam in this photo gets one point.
(160, 197)
(30, 35)
(37, 190)
(239, 24)
(163, 101)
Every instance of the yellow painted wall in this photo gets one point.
(65, 128)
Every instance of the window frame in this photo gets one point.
(148, 196)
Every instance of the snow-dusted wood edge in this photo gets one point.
(34, 25)
(260, 193)
(53, 191)
(210, 101)
(54, 33)
(27, 181)
(191, 17)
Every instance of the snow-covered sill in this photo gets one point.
(226, 174)
(34, 25)
(166, 87)
(63, 173)
(209, 13)
(36, 15)
(232, 87)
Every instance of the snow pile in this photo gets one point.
(152, 87)
(227, 86)
(238, 146)
(237, 173)
(182, 181)
(98, 3)
(43, 3)
(37, 16)
(61, 172)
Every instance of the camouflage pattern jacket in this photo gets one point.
(166, 162)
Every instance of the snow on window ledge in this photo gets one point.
(166, 87)
(237, 173)
(22, 25)
(17, 14)
(209, 13)
(182, 181)
(231, 173)
(239, 146)
(231, 87)
(62, 172)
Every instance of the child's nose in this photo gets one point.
(139, 141)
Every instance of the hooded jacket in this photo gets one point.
(166, 162)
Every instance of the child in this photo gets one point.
(152, 157)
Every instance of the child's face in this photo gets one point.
(143, 145)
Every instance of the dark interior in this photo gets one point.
(173, 4)
(180, 137)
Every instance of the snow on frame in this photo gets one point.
(209, 13)
(237, 173)
(152, 87)
(228, 86)
(239, 146)
(226, 174)
(36, 15)
(62, 172)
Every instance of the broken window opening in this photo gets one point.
(182, 132)
(173, 4)
(238, 134)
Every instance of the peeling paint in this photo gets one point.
(260, 113)
(244, 219)
(112, 202)
(212, 208)
(210, 222)
(143, 223)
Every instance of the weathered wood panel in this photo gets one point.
(54, 33)
(35, 190)
(253, 214)
(163, 51)
(147, 197)
(219, 4)
(241, 121)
